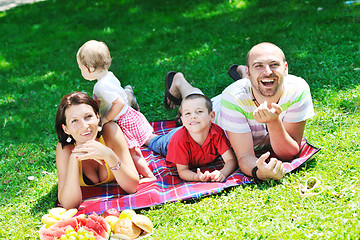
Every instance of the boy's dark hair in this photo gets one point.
(208, 102)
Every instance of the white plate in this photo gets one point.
(142, 235)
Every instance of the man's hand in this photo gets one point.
(264, 114)
(272, 170)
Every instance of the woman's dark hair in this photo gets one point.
(75, 98)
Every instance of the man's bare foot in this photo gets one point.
(237, 72)
(180, 88)
(241, 71)
(174, 89)
(170, 101)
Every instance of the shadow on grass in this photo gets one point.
(310, 164)
(45, 202)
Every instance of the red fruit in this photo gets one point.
(98, 226)
(51, 233)
(57, 230)
(111, 212)
(72, 222)
(93, 223)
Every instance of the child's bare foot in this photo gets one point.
(147, 179)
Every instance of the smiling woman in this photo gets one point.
(87, 155)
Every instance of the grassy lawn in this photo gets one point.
(321, 40)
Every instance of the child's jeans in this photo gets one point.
(160, 143)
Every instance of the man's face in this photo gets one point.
(266, 69)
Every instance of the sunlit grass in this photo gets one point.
(3, 63)
(208, 9)
(7, 99)
(239, 4)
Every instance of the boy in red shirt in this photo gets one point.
(199, 142)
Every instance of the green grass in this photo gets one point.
(38, 44)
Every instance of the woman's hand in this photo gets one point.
(92, 150)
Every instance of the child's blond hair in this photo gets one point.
(94, 54)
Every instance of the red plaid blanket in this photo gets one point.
(168, 187)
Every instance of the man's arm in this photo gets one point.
(285, 138)
(242, 144)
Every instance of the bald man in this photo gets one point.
(265, 110)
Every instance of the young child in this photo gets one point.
(94, 60)
(198, 143)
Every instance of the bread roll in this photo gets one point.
(127, 228)
(143, 222)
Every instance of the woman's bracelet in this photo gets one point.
(253, 172)
(116, 167)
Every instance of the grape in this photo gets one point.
(80, 234)
(87, 235)
(69, 229)
(81, 231)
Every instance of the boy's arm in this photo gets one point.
(187, 175)
(230, 163)
(115, 109)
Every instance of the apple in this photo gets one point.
(127, 213)
(111, 212)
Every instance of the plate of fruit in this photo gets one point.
(62, 224)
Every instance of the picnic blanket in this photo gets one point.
(169, 187)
